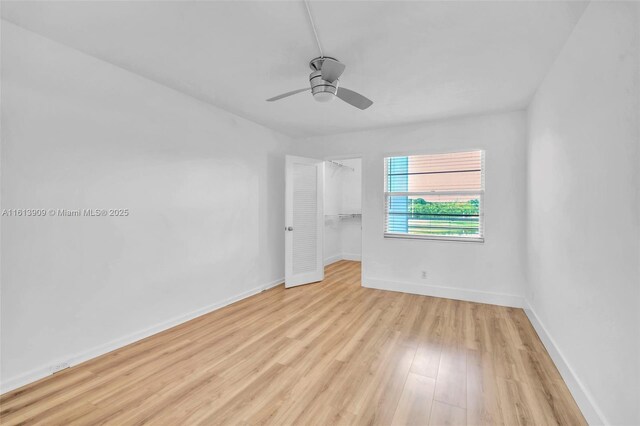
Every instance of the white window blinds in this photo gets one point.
(435, 196)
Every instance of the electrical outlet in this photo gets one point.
(58, 367)
(424, 275)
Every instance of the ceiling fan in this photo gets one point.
(324, 79)
(324, 84)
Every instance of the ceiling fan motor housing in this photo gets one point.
(322, 90)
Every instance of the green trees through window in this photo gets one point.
(443, 218)
(419, 206)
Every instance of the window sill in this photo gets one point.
(435, 238)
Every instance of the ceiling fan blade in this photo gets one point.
(284, 95)
(332, 69)
(353, 98)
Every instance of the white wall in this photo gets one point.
(493, 271)
(343, 195)
(204, 189)
(583, 211)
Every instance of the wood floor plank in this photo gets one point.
(447, 415)
(483, 406)
(517, 404)
(414, 406)
(327, 353)
(427, 360)
(451, 383)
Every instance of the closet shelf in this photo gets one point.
(343, 216)
(350, 216)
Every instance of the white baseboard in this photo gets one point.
(343, 256)
(332, 259)
(582, 396)
(71, 360)
(446, 292)
(350, 256)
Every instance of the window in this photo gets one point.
(435, 196)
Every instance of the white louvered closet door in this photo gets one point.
(304, 221)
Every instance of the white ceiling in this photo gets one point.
(416, 60)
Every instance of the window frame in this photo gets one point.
(452, 238)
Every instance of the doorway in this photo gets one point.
(323, 216)
(342, 210)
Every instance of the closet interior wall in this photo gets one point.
(343, 210)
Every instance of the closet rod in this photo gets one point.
(335, 163)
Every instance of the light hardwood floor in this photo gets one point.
(326, 353)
